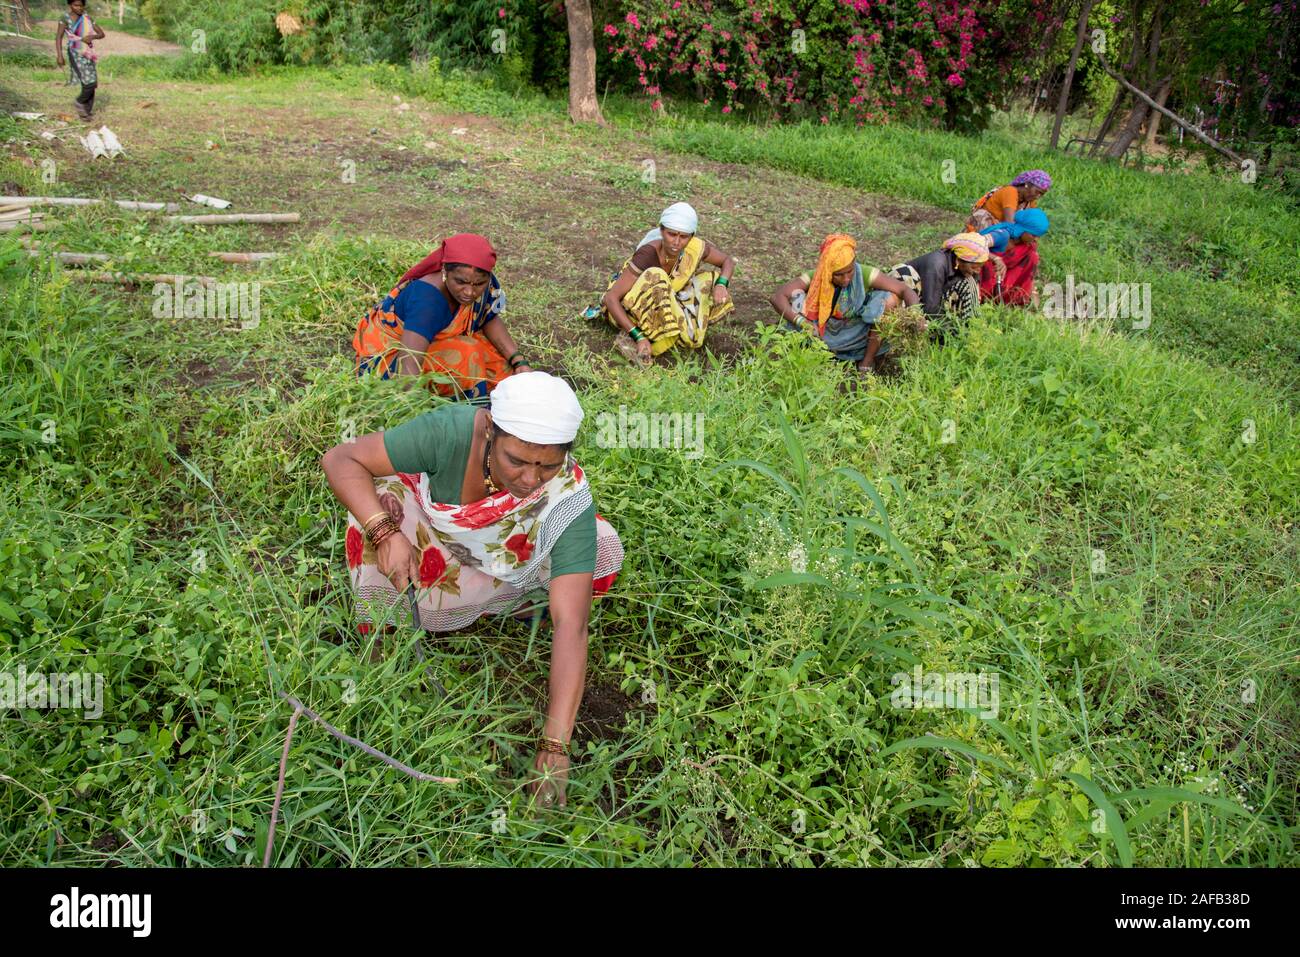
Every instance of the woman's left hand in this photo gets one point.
(549, 788)
(720, 294)
(523, 367)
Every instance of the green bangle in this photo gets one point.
(636, 333)
(513, 364)
(722, 281)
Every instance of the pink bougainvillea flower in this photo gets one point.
(632, 19)
(611, 30)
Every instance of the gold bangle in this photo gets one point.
(553, 745)
(379, 522)
(366, 523)
(381, 530)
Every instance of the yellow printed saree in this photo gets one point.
(674, 307)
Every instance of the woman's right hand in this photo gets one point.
(398, 561)
(644, 352)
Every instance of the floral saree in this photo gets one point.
(485, 557)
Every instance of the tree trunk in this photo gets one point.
(583, 105)
(1135, 57)
(1064, 99)
(1153, 121)
(1190, 128)
(1129, 131)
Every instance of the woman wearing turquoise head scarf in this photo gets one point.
(1008, 276)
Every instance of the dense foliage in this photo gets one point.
(1231, 63)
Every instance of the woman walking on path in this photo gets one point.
(77, 32)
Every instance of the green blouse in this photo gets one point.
(438, 443)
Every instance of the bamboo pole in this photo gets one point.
(132, 204)
(220, 218)
(137, 279)
(36, 227)
(244, 257)
(19, 215)
(75, 259)
(84, 201)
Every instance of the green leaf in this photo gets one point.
(1170, 796)
(932, 742)
(1114, 823)
(1025, 809)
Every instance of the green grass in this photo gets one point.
(178, 537)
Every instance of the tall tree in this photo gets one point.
(1064, 100)
(583, 105)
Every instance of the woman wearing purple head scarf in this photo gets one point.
(999, 205)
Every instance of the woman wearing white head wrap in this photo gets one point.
(671, 289)
(464, 512)
(537, 408)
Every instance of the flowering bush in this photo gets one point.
(872, 60)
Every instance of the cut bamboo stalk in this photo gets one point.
(140, 278)
(75, 259)
(50, 200)
(220, 218)
(139, 206)
(19, 214)
(36, 227)
(244, 257)
(83, 201)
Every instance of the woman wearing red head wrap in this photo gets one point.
(443, 317)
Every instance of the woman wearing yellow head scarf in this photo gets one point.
(947, 280)
(840, 303)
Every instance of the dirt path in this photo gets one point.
(115, 41)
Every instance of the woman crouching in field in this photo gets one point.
(1000, 204)
(469, 511)
(1008, 276)
(947, 282)
(842, 303)
(443, 317)
(670, 291)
